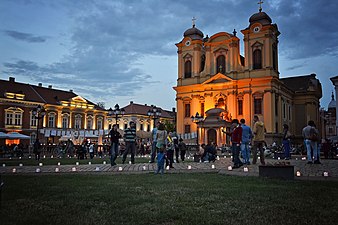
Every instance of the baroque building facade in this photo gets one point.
(212, 74)
(66, 115)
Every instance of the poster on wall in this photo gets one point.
(53, 133)
(47, 133)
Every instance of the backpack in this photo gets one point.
(314, 135)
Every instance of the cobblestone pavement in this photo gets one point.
(328, 167)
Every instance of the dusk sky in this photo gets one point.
(116, 51)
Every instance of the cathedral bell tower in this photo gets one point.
(190, 56)
(261, 46)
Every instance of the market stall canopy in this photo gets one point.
(16, 135)
(3, 135)
(65, 138)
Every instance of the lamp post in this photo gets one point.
(116, 111)
(197, 119)
(39, 112)
(154, 113)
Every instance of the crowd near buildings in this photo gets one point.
(215, 84)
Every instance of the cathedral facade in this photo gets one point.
(213, 77)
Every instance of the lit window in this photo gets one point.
(65, 121)
(51, 120)
(13, 116)
(77, 122)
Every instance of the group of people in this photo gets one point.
(241, 136)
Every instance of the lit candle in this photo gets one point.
(97, 168)
(29, 157)
(4, 165)
(167, 168)
(326, 174)
(89, 163)
(229, 168)
(144, 167)
(246, 169)
(20, 157)
(225, 156)
(129, 162)
(59, 163)
(120, 168)
(104, 162)
(20, 164)
(217, 157)
(37, 170)
(303, 158)
(278, 158)
(44, 156)
(298, 174)
(77, 163)
(14, 170)
(74, 169)
(40, 164)
(189, 167)
(296, 158)
(259, 157)
(51, 156)
(57, 170)
(212, 166)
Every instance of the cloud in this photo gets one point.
(30, 38)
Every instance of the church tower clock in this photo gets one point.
(261, 46)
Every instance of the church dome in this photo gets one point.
(194, 33)
(332, 103)
(260, 17)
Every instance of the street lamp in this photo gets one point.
(39, 112)
(116, 111)
(197, 119)
(154, 112)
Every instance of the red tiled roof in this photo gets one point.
(38, 94)
(139, 109)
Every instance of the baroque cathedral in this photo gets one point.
(217, 84)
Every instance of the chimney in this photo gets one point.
(145, 104)
(40, 84)
(50, 86)
(70, 90)
(174, 109)
(131, 102)
(11, 79)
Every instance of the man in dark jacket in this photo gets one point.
(114, 141)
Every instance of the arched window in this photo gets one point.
(220, 66)
(257, 59)
(89, 122)
(99, 123)
(77, 122)
(221, 103)
(65, 120)
(274, 58)
(51, 119)
(202, 63)
(13, 116)
(187, 69)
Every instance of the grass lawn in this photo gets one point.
(169, 199)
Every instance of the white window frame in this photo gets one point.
(99, 123)
(65, 121)
(77, 121)
(51, 119)
(13, 116)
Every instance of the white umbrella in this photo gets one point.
(3, 135)
(16, 135)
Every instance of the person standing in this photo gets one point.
(174, 136)
(311, 137)
(36, 149)
(258, 140)
(170, 151)
(286, 141)
(130, 140)
(182, 148)
(154, 142)
(236, 139)
(91, 151)
(114, 141)
(160, 161)
(246, 139)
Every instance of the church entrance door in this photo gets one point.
(212, 136)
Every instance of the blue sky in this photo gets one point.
(116, 51)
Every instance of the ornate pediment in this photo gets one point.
(218, 78)
(78, 99)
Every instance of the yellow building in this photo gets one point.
(213, 74)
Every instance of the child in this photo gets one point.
(160, 160)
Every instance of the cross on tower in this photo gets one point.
(193, 21)
(260, 5)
